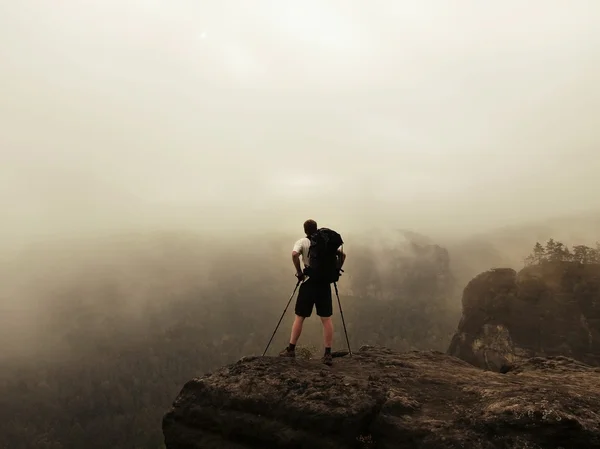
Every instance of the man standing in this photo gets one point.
(312, 292)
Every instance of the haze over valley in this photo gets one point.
(158, 160)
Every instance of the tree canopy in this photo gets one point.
(555, 251)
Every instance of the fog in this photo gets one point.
(158, 159)
(207, 119)
(211, 118)
(137, 115)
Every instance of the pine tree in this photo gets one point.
(539, 253)
(550, 248)
(582, 254)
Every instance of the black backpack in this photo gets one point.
(322, 255)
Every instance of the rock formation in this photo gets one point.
(544, 310)
(383, 399)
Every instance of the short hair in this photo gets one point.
(310, 227)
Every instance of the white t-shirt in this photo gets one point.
(301, 247)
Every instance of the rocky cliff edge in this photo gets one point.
(379, 398)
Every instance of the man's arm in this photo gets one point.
(342, 257)
(296, 252)
(296, 260)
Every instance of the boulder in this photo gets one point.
(544, 310)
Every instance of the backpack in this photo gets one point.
(322, 254)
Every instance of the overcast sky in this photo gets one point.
(139, 113)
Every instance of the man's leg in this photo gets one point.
(290, 350)
(303, 309)
(327, 332)
(296, 331)
(324, 305)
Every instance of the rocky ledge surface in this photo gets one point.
(379, 398)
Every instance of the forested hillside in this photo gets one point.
(122, 324)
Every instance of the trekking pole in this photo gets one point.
(342, 314)
(282, 315)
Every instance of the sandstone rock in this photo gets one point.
(544, 310)
(382, 399)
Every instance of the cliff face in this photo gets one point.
(382, 399)
(544, 310)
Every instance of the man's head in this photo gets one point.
(310, 227)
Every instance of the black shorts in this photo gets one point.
(314, 293)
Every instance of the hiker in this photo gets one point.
(314, 291)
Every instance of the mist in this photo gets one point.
(214, 116)
(126, 121)
(158, 159)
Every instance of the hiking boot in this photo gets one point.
(287, 353)
(328, 359)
